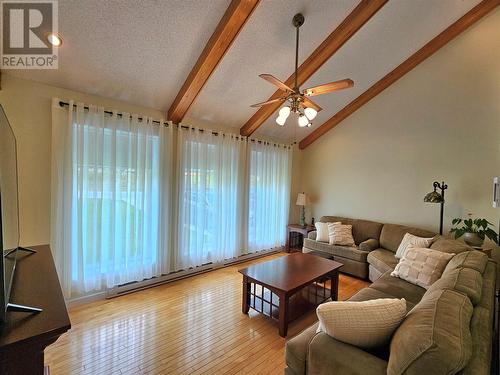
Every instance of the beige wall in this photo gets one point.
(439, 122)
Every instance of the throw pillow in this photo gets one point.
(340, 234)
(367, 324)
(411, 240)
(322, 231)
(421, 266)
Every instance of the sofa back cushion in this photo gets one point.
(464, 280)
(434, 337)
(477, 260)
(392, 235)
(362, 230)
(448, 245)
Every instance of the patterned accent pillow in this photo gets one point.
(340, 234)
(411, 240)
(366, 324)
(322, 231)
(422, 266)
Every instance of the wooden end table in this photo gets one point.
(287, 287)
(297, 228)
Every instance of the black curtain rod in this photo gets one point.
(64, 104)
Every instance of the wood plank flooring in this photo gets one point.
(191, 326)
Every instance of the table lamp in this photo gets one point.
(301, 201)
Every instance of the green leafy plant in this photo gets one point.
(481, 227)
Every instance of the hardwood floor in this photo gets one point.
(191, 326)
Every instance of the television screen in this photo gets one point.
(9, 226)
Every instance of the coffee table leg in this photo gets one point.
(283, 315)
(246, 295)
(334, 286)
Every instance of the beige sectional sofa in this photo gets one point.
(376, 244)
(452, 319)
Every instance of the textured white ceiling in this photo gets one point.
(137, 51)
(141, 52)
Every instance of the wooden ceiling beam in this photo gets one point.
(227, 30)
(349, 26)
(471, 17)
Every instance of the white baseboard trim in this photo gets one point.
(141, 285)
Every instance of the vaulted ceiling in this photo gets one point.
(143, 52)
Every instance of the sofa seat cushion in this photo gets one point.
(297, 348)
(398, 288)
(392, 235)
(383, 260)
(328, 356)
(367, 294)
(435, 336)
(348, 252)
(477, 260)
(464, 280)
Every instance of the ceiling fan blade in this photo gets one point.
(329, 87)
(275, 81)
(310, 104)
(268, 102)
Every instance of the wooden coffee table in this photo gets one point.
(287, 287)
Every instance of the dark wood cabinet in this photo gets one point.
(24, 337)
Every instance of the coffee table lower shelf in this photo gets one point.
(284, 307)
(267, 302)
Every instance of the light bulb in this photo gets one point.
(54, 39)
(281, 120)
(309, 125)
(284, 112)
(303, 121)
(310, 113)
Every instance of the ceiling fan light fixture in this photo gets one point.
(303, 121)
(310, 113)
(284, 112)
(281, 120)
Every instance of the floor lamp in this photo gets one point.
(496, 200)
(435, 197)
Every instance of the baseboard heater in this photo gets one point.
(174, 276)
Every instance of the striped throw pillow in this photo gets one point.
(340, 234)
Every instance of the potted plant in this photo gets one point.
(474, 231)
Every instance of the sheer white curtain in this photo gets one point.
(211, 197)
(111, 177)
(269, 179)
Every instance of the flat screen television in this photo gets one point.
(9, 217)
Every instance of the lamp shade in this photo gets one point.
(434, 197)
(301, 199)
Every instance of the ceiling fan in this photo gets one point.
(299, 100)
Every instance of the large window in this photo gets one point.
(210, 192)
(269, 195)
(126, 208)
(109, 178)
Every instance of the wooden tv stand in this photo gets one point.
(24, 336)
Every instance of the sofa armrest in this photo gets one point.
(369, 245)
(312, 235)
(327, 355)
